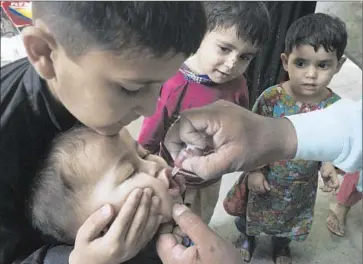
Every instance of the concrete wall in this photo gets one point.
(351, 14)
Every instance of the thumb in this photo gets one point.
(266, 185)
(212, 165)
(94, 224)
(192, 225)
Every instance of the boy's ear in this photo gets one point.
(39, 45)
(284, 60)
(340, 64)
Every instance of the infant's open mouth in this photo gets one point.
(176, 184)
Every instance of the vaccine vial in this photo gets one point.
(187, 152)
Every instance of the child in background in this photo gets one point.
(235, 33)
(282, 195)
(347, 196)
(84, 170)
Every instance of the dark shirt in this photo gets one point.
(30, 119)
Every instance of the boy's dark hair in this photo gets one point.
(317, 30)
(251, 19)
(60, 187)
(155, 27)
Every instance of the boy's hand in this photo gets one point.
(329, 176)
(257, 183)
(132, 228)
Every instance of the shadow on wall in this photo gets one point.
(351, 14)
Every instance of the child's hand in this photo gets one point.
(130, 231)
(257, 183)
(329, 176)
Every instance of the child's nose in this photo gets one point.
(311, 72)
(231, 63)
(149, 167)
(147, 104)
(164, 177)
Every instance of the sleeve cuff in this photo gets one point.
(318, 136)
(333, 134)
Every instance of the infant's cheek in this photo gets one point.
(159, 190)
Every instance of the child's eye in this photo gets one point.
(246, 57)
(323, 66)
(130, 92)
(224, 49)
(300, 64)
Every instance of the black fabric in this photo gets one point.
(266, 69)
(30, 119)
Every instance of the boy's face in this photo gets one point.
(102, 90)
(117, 165)
(223, 56)
(310, 72)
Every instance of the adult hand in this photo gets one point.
(241, 139)
(132, 228)
(209, 248)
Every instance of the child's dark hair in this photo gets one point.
(124, 26)
(317, 30)
(251, 19)
(60, 188)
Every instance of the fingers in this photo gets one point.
(187, 129)
(212, 165)
(266, 186)
(334, 183)
(257, 182)
(193, 226)
(168, 248)
(193, 129)
(93, 226)
(153, 222)
(326, 188)
(125, 217)
(259, 189)
(140, 218)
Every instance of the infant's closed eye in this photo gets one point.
(123, 172)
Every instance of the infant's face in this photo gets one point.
(119, 165)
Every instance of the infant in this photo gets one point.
(85, 170)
